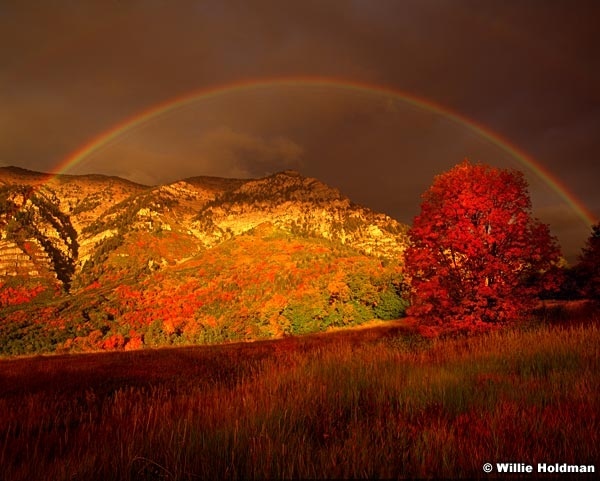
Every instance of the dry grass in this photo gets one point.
(372, 403)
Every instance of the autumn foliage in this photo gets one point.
(588, 269)
(477, 254)
(259, 285)
(15, 295)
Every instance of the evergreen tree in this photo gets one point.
(588, 270)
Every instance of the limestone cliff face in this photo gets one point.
(302, 206)
(36, 237)
(15, 260)
(53, 226)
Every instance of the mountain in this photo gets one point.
(92, 261)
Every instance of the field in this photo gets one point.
(378, 402)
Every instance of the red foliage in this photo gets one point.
(92, 286)
(477, 253)
(116, 341)
(11, 296)
(135, 341)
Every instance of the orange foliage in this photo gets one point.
(116, 341)
(135, 341)
(12, 296)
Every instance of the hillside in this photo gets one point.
(94, 262)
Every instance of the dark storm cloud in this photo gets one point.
(219, 152)
(527, 70)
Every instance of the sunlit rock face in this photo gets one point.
(302, 206)
(52, 227)
(38, 239)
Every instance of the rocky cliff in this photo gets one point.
(53, 225)
(94, 262)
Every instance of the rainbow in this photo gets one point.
(107, 137)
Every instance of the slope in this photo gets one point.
(198, 260)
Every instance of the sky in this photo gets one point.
(374, 97)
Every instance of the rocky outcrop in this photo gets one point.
(38, 237)
(67, 221)
(303, 206)
(31, 262)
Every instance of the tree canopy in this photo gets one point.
(477, 253)
(589, 265)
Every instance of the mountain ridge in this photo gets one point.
(80, 234)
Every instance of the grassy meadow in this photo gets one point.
(378, 402)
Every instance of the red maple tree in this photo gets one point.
(477, 254)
